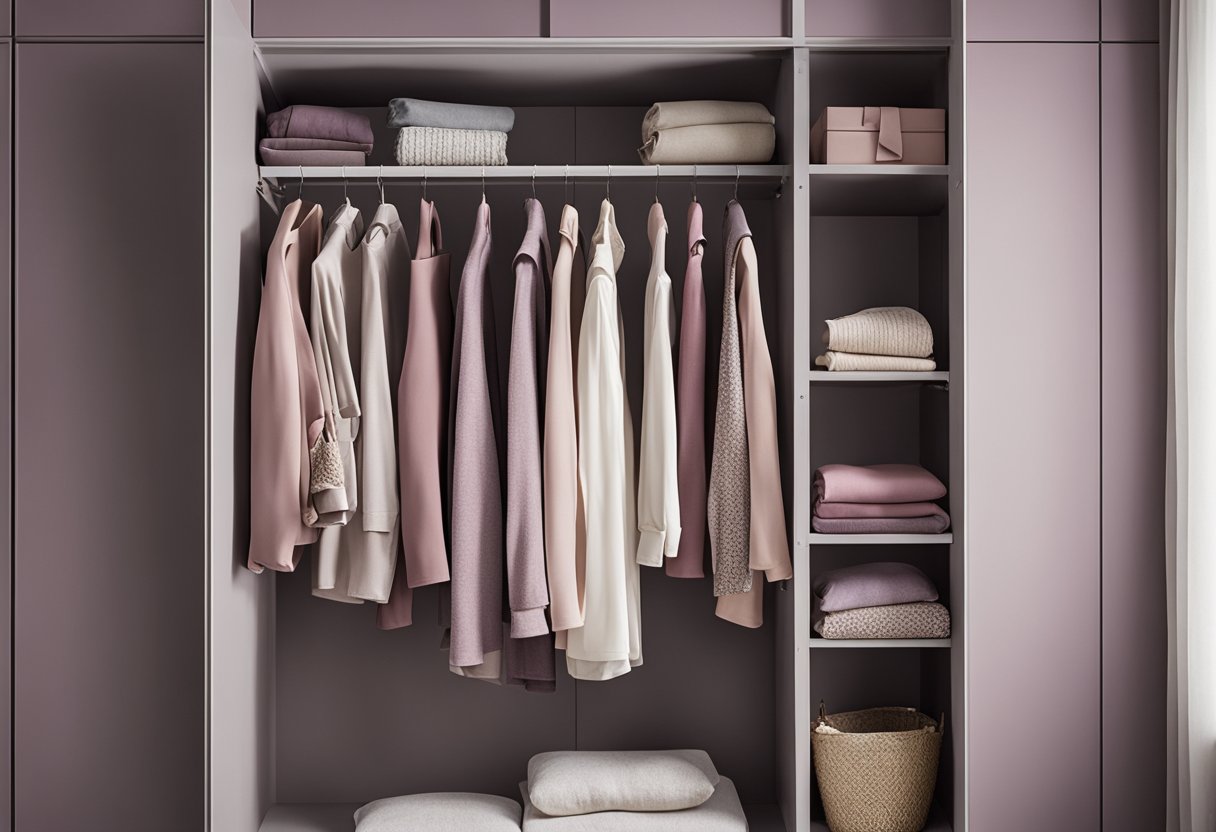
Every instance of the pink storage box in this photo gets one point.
(879, 135)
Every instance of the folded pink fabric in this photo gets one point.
(315, 144)
(876, 484)
(331, 158)
(874, 510)
(933, 524)
(307, 121)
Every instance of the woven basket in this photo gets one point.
(878, 773)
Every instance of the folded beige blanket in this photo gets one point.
(710, 144)
(668, 114)
(852, 362)
(883, 330)
(919, 620)
(450, 146)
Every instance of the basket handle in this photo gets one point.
(823, 711)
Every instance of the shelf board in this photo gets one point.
(817, 643)
(840, 43)
(816, 539)
(879, 190)
(828, 377)
(338, 817)
(750, 173)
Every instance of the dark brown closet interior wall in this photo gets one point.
(110, 480)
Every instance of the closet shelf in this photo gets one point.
(816, 539)
(817, 643)
(750, 173)
(879, 190)
(863, 44)
(826, 377)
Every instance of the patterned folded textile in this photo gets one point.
(853, 362)
(933, 524)
(304, 121)
(443, 146)
(920, 620)
(883, 330)
(710, 144)
(414, 112)
(872, 585)
(836, 483)
(668, 114)
(837, 511)
(334, 158)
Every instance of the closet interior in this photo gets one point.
(312, 710)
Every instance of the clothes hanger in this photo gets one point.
(483, 184)
(658, 171)
(345, 186)
(300, 195)
(694, 183)
(736, 196)
(380, 183)
(424, 183)
(566, 185)
(534, 181)
(608, 185)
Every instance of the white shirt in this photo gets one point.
(609, 642)
(658, 480)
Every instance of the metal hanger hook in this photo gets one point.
(483, 183)
(658, 171)
(424, 182)
(301, 194)
(608, 185)
(534, 181)
(345, 185)
(694, 183)
(736, 183)
(380, 183)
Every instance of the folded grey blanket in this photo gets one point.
(442, 146)
(883, 330)
(918, 620)
(414, 112)
(710, 144)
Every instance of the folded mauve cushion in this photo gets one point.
(933, 524)
(872, 585)
(875, 510)
(306, 121)
(921, 620)
(314, 144)
(440, 812)
(721, 813)
(414, 112)
(876, 484)
(668, 114)
(710, 144)
(580, 782)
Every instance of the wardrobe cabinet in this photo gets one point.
(666, 18)
(1033, 20)
(397, 18)
(112, 18)
(1034, 437)
(110, 474)
(1133, 443)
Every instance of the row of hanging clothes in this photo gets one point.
(383, 436)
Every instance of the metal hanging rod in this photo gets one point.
(526, 173)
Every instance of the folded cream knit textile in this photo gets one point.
(919, 620)
(846, 362)
(447, 146)
(884, 330)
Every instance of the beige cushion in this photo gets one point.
(579, 782)
(721, 813)
(439, 812)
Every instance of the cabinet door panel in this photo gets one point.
(6, 449)
(1033, 395)
(110, 474)
(397, 18)
(1124, 20)
(113, 18)
(666, 18)
(1049, 20)
(878, 18)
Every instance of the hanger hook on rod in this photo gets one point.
(736, 183)
(380, 183)
(483, 183)
(534, 181)
(424, 183)
(608, 185)
(345, 185)
(566, 184)
(658, 171)
(694, 183)
(301, 194)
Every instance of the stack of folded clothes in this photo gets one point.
(437, 133)
(885, 338)
(878, 600)
(707, 133)
(878, 499)
(309, 135)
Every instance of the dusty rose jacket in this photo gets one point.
(286, 414)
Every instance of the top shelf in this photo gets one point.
(750, 173)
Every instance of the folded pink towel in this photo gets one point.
(836, 511)
(933, 524)
(876, 484)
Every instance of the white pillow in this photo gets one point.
(440, 812)
(562, 783)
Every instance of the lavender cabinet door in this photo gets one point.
(1131, 20)
(1133, 443)
(111, 499)
(112, 18)
(397, 18)
(667, 18)
(1033, 461)
(1020, 20)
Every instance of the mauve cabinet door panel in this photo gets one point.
(1124, 20)
(1033, 462)
(6, 18)
(1015, 20)
(667, 18)
(110, 437)
(1133, 443)
(397, 18)
(111, 18)
(6, 448)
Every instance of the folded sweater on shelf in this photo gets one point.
(853, 362)
(890, 483)
(882, 330)
(446, 146)
(415, 112)
(312, 152)
(305, 121)
(916, 620)
(931, 524)
(861, 511)
(710, 144)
